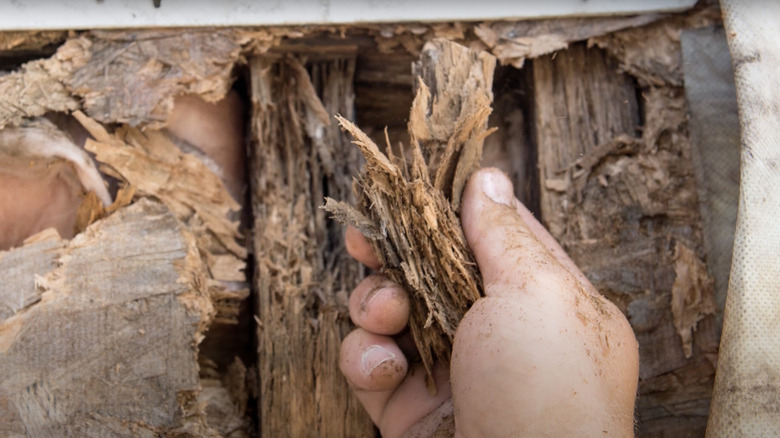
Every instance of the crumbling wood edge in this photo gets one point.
(107, 341)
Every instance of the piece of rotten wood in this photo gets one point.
(16, 293)
(407, 202)
(107, 342)
(303, 272)
(37, 87)
(153, 166)
(29, 41)
(514, 42)
(651, 53)
(119, 76)
(624, 208)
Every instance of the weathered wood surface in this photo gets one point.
(623, 224)
(624, 206)
(514, 42)
(127, 76)
(303, 274)
(104, 341)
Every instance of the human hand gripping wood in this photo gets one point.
(542, 354)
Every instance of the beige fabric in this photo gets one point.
(746, 399)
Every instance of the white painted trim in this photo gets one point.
(91, 14)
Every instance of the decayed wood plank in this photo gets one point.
(303, 274)
(110, 348)
(625, 209)
(514, 42)
(581, 103)
(131, 76)
(29, 40)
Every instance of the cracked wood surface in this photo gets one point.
(303, 274)
(104, 342)
(624, 207)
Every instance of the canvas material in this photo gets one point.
(747, 384)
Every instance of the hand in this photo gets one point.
(542, 354)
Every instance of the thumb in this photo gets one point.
(510, 246)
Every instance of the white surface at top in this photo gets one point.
(90, 14)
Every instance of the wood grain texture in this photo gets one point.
(303, 273)
(110, 348)
(624, 207)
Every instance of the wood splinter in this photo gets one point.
(407, 202)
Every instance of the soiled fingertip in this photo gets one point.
(377, 362)
(372, 362)
(495, 185)
(359, 248)
(487, 193)
(379, 305)
(505, 248)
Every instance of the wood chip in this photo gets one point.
(407, 204)
(693, 295)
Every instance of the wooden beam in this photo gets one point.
(303, 274)
(624, 207)
(105, 342)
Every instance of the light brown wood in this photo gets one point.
(104, 339)
(303, 274)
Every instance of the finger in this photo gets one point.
(505, 246)
(411, 402)
(379, 306)
(374, 366)
(359, 248)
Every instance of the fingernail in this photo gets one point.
(373, 357)
(497, 187)
(380, 290)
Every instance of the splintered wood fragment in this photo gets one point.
(151, 162)
(37, 87)
(101, 335)
(407, 203)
